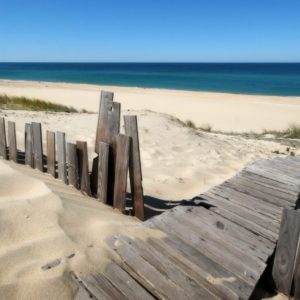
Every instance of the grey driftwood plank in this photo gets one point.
(51, 157)
(286, 250)
(165, 267)
(142, 271)
(202, 269)
(72, 163)
(37, 145)
(12, 141)
(83, 167)
(29, 146)
(135, 169)
(297, 276)
(103, 171)
(61, 156)
(241, 266)
(102, 134)
(3, 144)
(122, 160)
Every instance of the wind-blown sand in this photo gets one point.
(40, 221)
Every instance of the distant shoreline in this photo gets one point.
(271, 79)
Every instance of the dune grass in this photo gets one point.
(23, 103)
(292, 132)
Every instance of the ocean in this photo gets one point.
(281, 79)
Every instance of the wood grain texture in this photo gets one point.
(61, 156)
(285, 254)
(102, 134)
(121, 171)
(114, 130)
(103, 171)
(72, 163)
(51, 153)
(3, 144)
(297, 275)
(29, 160)
(135, 169)
(37, 145)
(12, 141)
(83, 167)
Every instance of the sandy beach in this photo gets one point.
(178, 163)
(224, 112)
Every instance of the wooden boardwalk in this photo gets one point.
(216, 246)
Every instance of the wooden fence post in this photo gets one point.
(297, 275)
(28, 146)
(12, 140)
(135, 169)
(3, 145)
(37, 145)
(61, 156)
(72, 163)
(285, 254)
(102, 134)
(103, 171)
(83, 167)
(122, 160)
(51, 157)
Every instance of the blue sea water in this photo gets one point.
(244, 78)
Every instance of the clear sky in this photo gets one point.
(150, 30)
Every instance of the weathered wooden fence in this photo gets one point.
(117, 155)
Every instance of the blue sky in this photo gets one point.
(150, 30)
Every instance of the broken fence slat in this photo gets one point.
(106, 100)
(37, 145)
(51, 159)
(135, 170)
(28, 146)
(72, 163)
(3, 145)
(103, 171)
(83, 167)
(61, 156)
(12, 141)
(122, 160)
(285, 254)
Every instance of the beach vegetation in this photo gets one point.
(190, 124)
(23, 103)
(292, 132)
(205, 127)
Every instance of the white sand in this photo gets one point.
(39, 224)
(41, 220)
(227, 112)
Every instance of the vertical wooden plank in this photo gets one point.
(3, 145)
(51, 159)
(122, 160)
(28, 146)
(135, 169)
(103, 171)
(83, 167)
(102, 134)
(12, 140)
(114, 130)
(61, 156)
(37, 145)
(72, 164)
(297, 275)
(285, 254)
